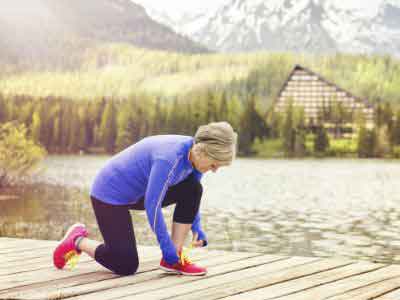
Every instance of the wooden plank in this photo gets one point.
(75, 280)
(45, 253)
(50, 273)
(46, 258)
(216, 265)
(25, 255)
(293, 286)
(22, 240)
(246, 280)
(9, 245)
(88, 283)
(371, 291)
(393, 295)
(24, 249)
(17, 242)
(342, 286)
(21, 253)
(17, 263)
(43, 264)
(211, 284)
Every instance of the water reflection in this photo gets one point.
(309, 208)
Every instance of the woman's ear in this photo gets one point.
(199, 150)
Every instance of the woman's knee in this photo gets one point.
(125, 263)
(126, 268)
(120, 261)
(185, 211)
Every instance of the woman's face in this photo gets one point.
(204, 164)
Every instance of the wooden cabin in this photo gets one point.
(307, 89)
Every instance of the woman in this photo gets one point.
(153, 173)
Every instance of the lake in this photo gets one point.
(325, 208)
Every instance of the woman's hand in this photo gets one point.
(197, 243)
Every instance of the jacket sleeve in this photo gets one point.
(160, 174)
(196, 226)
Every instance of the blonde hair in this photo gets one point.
(217, 140)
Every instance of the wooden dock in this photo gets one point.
(26, 272)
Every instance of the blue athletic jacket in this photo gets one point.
(147, 169)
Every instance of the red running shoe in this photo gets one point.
(184, 267)
(66, 249)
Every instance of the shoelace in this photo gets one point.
(72, 259)
(184, 257)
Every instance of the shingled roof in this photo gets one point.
(310, 89)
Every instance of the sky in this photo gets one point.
(177, 7)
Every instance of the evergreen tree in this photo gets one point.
(235, 110)
(338, 115)
(362, 143)
(300, 132)
(321, 141)
(108, 127)
(36, 127)
(174, 117)
(3, 109)
(211, 107)
(379, 115)
(73, 140)
(26, 113)
(159, 117)
(300, 143)
(83, 140)
(56, 137)
(383, 147)
(367, 141)
(274, 120)
(65, 128)
(395, 133)
(252, 126)
(128, 132)
(223, 113)
(288, 131)
(388, 116)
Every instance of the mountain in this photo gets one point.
(185, 22)
(311, 26)
(50, 31)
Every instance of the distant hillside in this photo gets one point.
(55, 33)
(119, 71)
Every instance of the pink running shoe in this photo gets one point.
(66, 249)
(184, 267)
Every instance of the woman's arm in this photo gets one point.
(196, 228)
(160, 175)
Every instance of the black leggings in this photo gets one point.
(118, 253)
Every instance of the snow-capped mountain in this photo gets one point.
(184, 21)
(316, 26)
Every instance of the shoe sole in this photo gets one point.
(182, 273)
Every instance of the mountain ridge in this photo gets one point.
(310, 26)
